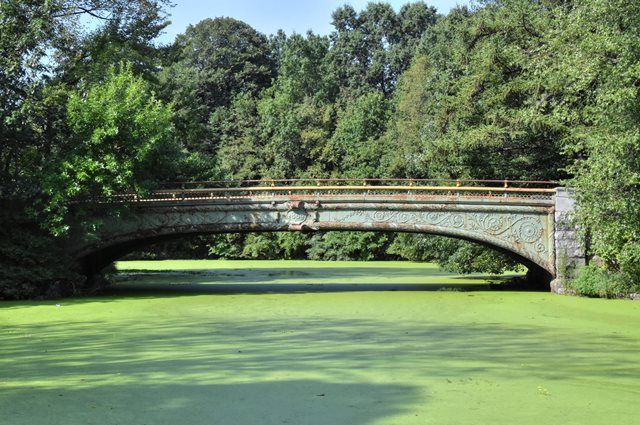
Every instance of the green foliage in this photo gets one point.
(260, 246)
(40, 43)
(295, 132)
(595, 281)
(241, 148)
(292, 245)
(451, 254)
(273, 246)
(182, 248)
(212, 62)
(34, 264)
(303, 70)
(372, 48)
(296, 118)
(124, 141)
(477, 100)
(26, 32)
(126, 35)
(341, 246)
(355, 147)
(406, 133)
(602, 71)
(227, 246)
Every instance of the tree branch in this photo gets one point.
(79, 10)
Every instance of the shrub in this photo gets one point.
(33, 265)
(594, 281)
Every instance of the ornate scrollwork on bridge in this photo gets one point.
(525, 233)
(295, 216)
(175, 218)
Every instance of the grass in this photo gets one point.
(317, 343)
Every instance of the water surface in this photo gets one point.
(317, 343)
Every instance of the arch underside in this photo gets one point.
(525, 233)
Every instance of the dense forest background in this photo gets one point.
(91, 105)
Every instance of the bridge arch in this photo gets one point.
(516, 221)
(100, 256)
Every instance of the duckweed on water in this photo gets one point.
(317, 343)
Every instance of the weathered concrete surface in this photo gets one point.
(569, 252)
(522, 227)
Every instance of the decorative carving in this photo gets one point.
(350, 215)
(516, 230)
(402, 217)
(527, 230)
(457, 220)
(435, 217)
(296, 216)
(492, 224)
(177, 219)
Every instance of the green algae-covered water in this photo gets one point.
(317, 343)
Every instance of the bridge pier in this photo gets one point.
(569, 252)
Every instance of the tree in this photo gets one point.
(126, 34)
(372, 48)
(240, 154)
(348, 246)
(34, 264)
(453, 255)
(600, 74)
(26, 30)
(294, 116)
(355, 146)
(124, 141)
(34, 39)
(475, 103)
(486, 105)
(213, 61)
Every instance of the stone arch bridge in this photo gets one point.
(518, 218)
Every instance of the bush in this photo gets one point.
(257, 246)
(33, 265)
(348, 246)
(594, 281)
(453, 255)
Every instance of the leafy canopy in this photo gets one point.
(123, 136)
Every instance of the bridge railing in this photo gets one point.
(238, 189)
(359, 182)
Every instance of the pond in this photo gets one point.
(285, 342)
